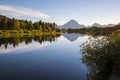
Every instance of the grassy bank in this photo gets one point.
(22, 33)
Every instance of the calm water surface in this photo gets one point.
(50, 59)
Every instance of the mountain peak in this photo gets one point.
(72, 20)
(72, 24)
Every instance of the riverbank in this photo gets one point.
(22, 33)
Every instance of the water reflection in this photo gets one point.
(72, 36)
(21, 44)
(15, 41)
(22, 47)
(58, 61)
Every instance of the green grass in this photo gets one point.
(22, 33)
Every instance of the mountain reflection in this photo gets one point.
(15, 41)
(72, 36)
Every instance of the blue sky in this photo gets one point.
(85, 12)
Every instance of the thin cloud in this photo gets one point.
(60, 22)
(18, 11)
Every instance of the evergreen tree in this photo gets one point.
(16, 24)
(30, 25)
(4, 21)
(40, 28)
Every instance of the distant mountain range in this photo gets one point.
(72, 24)
(99, 25)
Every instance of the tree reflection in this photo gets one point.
(15, 41)
(102, 57)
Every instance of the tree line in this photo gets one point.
(95, 30)
(15, 24)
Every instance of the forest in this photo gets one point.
(14, 26)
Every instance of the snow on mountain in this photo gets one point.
(72, 24)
